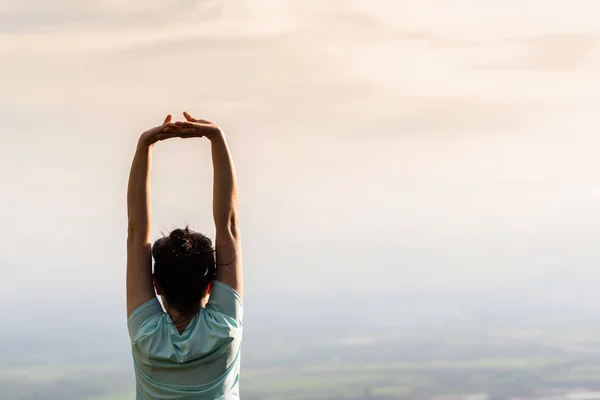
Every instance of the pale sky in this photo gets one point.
(379, 144)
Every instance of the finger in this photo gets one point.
(189, 131)
(179, 133)
(188, 116)
(201, 121)
(167, 135)
(181, 124)
(170, 129)
(168, 119)
(170, 126)
(201, 124)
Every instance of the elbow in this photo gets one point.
(229, 224)
(135, 234)
(132, 234)
(233, 225)
(132, 229)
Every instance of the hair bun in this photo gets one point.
(181, 241)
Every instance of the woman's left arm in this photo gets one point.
(140, 287)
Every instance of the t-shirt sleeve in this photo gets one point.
(143, 314)
(224, 300)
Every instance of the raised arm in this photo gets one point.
(139, 285)
(225, 212)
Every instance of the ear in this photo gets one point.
(208, 288)
(157, 287)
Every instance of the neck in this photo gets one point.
(180, 319)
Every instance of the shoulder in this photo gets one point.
(225, 304)
(144, 314)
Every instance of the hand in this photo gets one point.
(167, 130)
(198, 127)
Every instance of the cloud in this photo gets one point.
(68, 16)
(549, 53)
(100, 6)
(389, 111)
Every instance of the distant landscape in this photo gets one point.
(466, 356)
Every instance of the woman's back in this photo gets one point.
(203, 362)
(192, 349)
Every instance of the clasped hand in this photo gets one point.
(189, 128)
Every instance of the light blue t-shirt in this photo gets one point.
(202, 363)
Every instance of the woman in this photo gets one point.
(191, 351)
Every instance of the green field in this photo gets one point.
(403, 366)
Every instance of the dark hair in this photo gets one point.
(184, 266)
